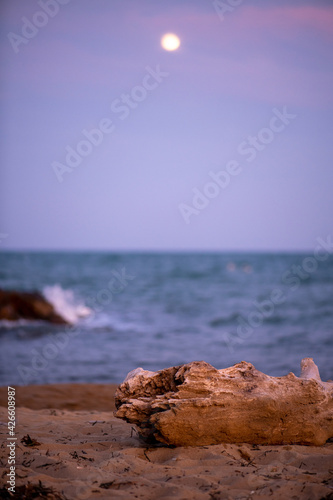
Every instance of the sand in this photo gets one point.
(85, 452)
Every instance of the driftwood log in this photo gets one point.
(196, 404)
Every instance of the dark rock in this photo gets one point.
(16, 305)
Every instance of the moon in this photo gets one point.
(170, 41)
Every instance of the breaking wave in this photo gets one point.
(66, 304)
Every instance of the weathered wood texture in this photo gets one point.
(196, 404)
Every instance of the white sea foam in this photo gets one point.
(65, 303)
(6, 324)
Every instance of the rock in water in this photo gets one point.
(27, 305)
(195, 404)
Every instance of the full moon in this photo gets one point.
(170, 41)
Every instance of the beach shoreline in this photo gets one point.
(83, 451)
(70, 396)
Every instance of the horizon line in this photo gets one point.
(153, 250)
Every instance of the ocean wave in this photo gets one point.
(224, 320)
(66, 304)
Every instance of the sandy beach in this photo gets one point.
(78, 449)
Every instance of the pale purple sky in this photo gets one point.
(171, 122)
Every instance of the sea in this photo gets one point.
(155, 310)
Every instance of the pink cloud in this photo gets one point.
(245, 22)
(287, 21)
(258, 78)
(249, 55)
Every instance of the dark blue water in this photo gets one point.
(159, 310)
